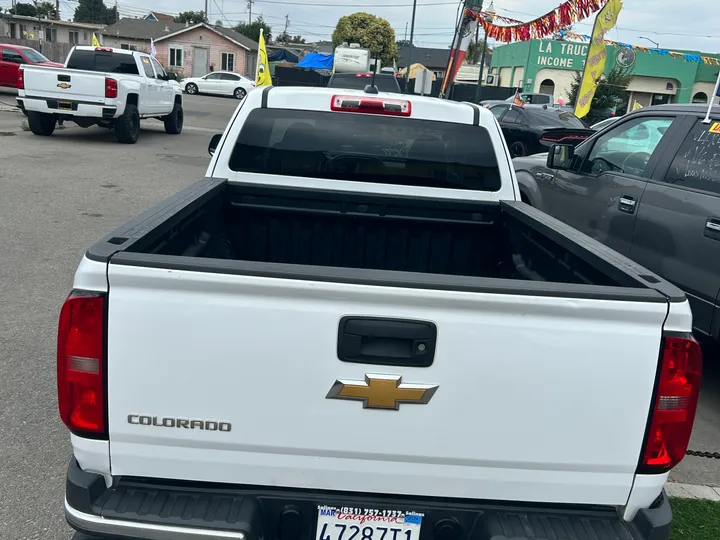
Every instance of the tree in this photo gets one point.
(94, 11)
(252, 30)
(474, 52)
(25, 10)
(370, 32)
(47, 9)
(287, 38)
(219, 23)
(403, 43)
(611, 91)
(191, 17)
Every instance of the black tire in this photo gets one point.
(239, 93)
(127, 127)
(518, 149)
(41, 124)
(175, 120)
(191, 89)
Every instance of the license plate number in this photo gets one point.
(343, 523)
(65, 105)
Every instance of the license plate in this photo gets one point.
(344, 523)
(67, 105)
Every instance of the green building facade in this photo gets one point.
(549, 66)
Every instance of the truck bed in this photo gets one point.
(367, 238)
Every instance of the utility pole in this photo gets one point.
(409, 55)
(206, 8)
(489, 18)
(117, 11)
(57, 10)
(405, 31)
(287, 23)
(250, 3)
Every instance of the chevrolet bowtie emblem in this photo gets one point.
(382, 392)
(64, 86)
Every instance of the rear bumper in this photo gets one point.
(68, 108)
(160, 510)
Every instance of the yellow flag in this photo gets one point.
(95, 42)
(597, 56)
(262, 76)
(637, 106)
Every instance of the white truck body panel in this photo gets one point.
(42, 81)
(223, 347)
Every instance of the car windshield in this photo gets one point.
(367, 148)
(384, 83)
(34, 56)
(552, 117)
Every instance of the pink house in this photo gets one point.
(196, 50)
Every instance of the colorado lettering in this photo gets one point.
(184, 423)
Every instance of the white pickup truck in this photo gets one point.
(352, 329)
(112, 88)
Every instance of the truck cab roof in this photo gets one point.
(422, 107)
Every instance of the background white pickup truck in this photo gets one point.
(353, 330)
(112, 88)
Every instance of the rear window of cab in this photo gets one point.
(367, 148)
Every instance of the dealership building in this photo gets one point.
(549, 66)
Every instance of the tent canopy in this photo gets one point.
(414, 69)
(282, 55)
(317, 61)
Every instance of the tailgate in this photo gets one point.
(70, 84)
(226, 378)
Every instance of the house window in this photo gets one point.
(228, 61)
(128, 47)
(85, 36)
(13, 31)
(74, 37)
(176, 56)
(51, 35)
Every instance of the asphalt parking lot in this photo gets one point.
(60, 194)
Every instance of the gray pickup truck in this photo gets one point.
(648, 186)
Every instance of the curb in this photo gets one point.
(693, 491)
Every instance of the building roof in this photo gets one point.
(430, 58)
(231, 35)
(53, 22)
(164, 17)
(142, 29)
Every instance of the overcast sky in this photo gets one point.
(669, 22)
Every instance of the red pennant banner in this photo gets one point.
(561, 17)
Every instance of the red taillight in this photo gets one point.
(364, 75)
(80, 362)
(111, 88)
(104, 49)
(374, 105)
(21, 79)
(673, 413)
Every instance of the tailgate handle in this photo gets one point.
(64, 78)
(389, 342)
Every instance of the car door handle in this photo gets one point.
(627, 204)
(712, 228)
(544, 176)
(389, 342)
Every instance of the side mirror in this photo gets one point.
(172, 76)
(214, 142)
(561, 157)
